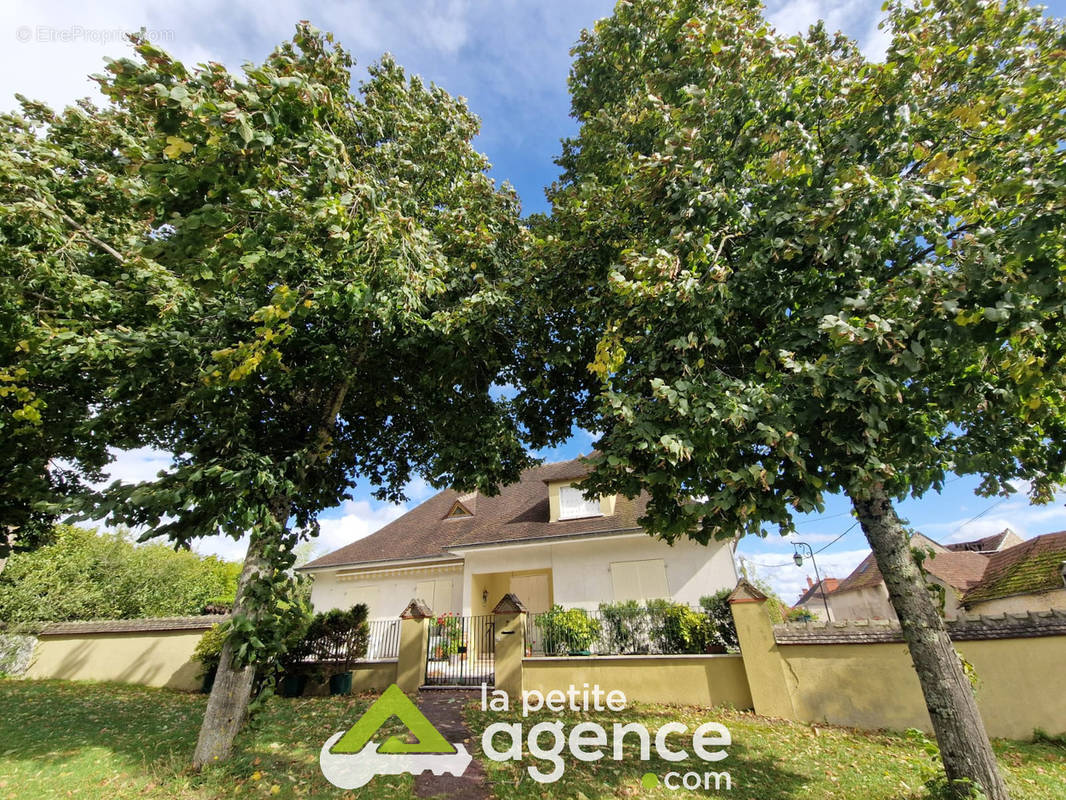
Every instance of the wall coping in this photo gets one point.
(154, 625)
(967, 628)
(633, 657)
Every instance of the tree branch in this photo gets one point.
(115, 254)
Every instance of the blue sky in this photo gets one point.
(509, 58)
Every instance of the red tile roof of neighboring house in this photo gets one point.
(518, 513)
(1031, 567)
(960, 570)
(814, 589)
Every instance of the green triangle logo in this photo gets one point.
(393, 703)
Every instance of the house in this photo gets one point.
(989, 544)
(1030, 576)
(954, 570)
(816, 597)
(538, 538)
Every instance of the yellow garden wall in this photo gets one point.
(152, 658)
(373, 676)
(367, 676)
(703, 680)
(875, 686)
(801, 673)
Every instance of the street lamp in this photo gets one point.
(797, 556)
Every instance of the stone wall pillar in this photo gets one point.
(763, 662)
(414, 641)
(510, 646)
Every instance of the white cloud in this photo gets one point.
(357, 519)
(134, 466)
(418, 490)
(1023, 518)
(790, 581)
(858, 19)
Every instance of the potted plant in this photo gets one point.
(340, 683)
(332, 642)
(449, 639)
(568, 631)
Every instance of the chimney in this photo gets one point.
(810, 583)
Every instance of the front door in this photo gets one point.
(534, 592)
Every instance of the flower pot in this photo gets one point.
(209, 680)
(341, 683)
(715, 648)
(293, 685)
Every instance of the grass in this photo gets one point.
(768, 760)
(116, 742)
(119, 742)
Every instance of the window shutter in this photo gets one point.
(639, 580)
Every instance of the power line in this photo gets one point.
(816, 552)
(819, 519)
(977, 516)
(841, 536)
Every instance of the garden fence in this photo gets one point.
(623, 629)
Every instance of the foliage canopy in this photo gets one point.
(801, 272)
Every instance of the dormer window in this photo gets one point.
(573, 505)
(458, 510)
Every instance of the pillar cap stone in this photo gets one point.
(746, 593)
(417, 609)
(509, 604)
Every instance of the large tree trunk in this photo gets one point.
(960, 732)
(9, 544)
(232, 690)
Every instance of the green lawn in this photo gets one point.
(114, 741)
(768, 760)
(117, 742)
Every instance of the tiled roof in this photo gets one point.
(960, 570)
(1030, 567)
(813, 591)
(1000, 626)
(988, 544)
(518, 513)
(133, 625)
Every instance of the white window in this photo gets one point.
(572, 505)
(639, 580)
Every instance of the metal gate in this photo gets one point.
(461, 651)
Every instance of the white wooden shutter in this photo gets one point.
(639, 580)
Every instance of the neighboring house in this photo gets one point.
(1031, 576)
(539, 538)
(989, 544)
(812, 599)
(955, 569)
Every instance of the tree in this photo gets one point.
(336, 266)
(794, 272)
(83, 574)
(62, 201)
